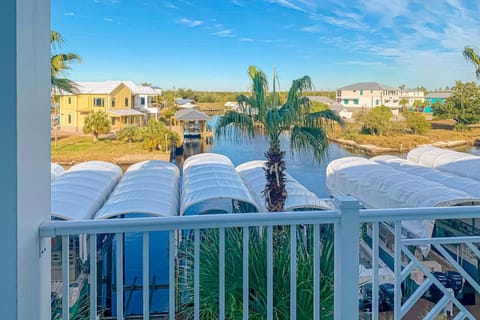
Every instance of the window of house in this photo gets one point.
(345, 101)
(355, 101)
(361, 92)
(142, 101)
(126, 102)
(377, 102)
(69, 100)
(113, 121)
(69, 118)
(113, 102)
(98, 102)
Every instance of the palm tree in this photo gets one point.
(292, 116)
(59, 63)
(96, 123)
(474, 57)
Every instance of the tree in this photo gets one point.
(417, 122)
(96, 123)
(156, 135)
(59, 63)
(463, 106)
(293, 115)
(474, 57)
(130, 133)
(403, 102)
(377, 120)
(401, 87)
(418, 105)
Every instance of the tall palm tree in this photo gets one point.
(474, 57)
(59, 63)
(291, 116)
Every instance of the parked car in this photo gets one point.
(434, 294)
(388, 290)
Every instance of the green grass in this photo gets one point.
(82, 148)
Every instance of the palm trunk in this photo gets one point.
(95, 136)
(275, 192)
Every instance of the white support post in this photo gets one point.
(347, 250)
(25, 170)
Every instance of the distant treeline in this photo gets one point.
(222, 97)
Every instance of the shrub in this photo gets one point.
(377, 120)
(417, 122)
(156, 135)
(130, 133)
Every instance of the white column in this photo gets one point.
(346, 260)
(25, 160)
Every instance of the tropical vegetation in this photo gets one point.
(60, 63)
(130, 133)
(96, 123)
(376, 121)
(257, 271)
(277, 116)
(157, 136)
(463, 106)
(473, 56)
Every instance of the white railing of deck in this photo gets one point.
(347, 220)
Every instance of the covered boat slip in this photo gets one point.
(211, 184)
(299, 197)
(459, 163)
(380, 186)
(147, 189)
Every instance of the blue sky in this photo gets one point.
(208, 45)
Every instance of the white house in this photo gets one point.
(412, 95)
(366, 95)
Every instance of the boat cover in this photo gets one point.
(211, 183)
(299, 197)
(448, 179)
(78, 193)
(148, 188)
(55, 171)
(379, 186)
(459, 163)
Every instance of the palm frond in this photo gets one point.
(62, 84)
(56, 39)
(318, 118)
(298, 87)
(246, 104)
(243, 122)
(473, 56)
(259, 89)
(309, 139)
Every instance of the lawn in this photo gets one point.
(440, 132)
(82, 148)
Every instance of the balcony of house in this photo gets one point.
(245, 265)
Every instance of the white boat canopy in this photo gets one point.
(379, 186)
(79, 192)
(448, 179)
(211, 185)
(147, 188)
(459, 163)
(299, 197)
(55, 171)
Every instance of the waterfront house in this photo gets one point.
(434, 97)
(344, 112)
(124, 101)
(367, 95)
(412, 95)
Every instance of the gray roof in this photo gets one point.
(438, 95)
(106, 87)
(321, 99)
(126, 112)
(191, 114)
(368, 86)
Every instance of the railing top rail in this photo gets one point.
(403, 214)
(60, 228)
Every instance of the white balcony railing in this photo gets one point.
(347, 221)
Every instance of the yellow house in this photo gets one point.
(117, 98)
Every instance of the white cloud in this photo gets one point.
(169, 5)
(238, 3)
(108, 19)
(247, 40)
(224, 33)
(69, 14)
(189, 23)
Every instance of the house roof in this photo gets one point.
(106, 87)
(181, 101)
(367, 86)
(191, 114)
(322, 99)
(126, 112)
(438, 95)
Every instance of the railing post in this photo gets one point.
(346, 260)
(25, 171)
